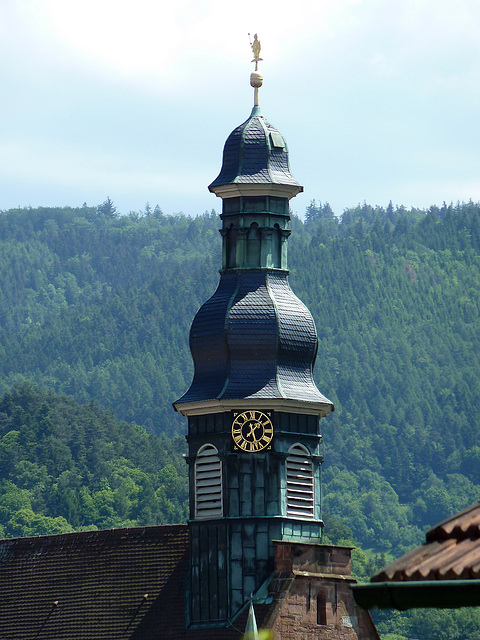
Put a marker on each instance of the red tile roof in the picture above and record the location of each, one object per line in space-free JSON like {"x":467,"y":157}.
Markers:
{"x":451,"y":552}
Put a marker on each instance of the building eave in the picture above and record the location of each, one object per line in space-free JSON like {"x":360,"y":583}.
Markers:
{"x":274,"y":404}
{"x":439,"y":594}
{"x":253,"y":189}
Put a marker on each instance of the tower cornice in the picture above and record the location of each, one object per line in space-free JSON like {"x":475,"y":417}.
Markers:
{"x":320,"y":409}
{"x":235,"y":189}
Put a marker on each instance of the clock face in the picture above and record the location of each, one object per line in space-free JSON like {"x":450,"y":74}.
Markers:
{"x":252,"y":430}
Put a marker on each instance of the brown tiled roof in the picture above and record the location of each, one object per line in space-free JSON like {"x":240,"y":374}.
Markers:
{"x":114,"y":584}
{"x":451,"y":552}
{"x":88,"y":585}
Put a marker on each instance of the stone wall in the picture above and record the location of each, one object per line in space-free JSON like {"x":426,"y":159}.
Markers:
{"x":311,"y":586}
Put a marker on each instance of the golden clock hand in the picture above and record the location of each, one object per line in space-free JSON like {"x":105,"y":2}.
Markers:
{"x":251,"y":432}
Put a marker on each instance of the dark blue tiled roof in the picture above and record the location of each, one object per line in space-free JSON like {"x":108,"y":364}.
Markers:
{"x":253,"y":339}
{"x":255,"y":153}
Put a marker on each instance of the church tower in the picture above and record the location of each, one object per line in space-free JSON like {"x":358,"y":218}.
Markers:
{"x":254,"y":448}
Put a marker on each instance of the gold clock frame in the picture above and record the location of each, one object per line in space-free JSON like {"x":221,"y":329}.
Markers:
{"x":252,"y":430}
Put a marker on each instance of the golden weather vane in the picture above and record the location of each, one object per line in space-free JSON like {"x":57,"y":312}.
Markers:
{"x":256,"y":48}
{"x":256,"y":79}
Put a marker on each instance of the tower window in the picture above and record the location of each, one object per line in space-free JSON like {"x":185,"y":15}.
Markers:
{"x":299,"y":475}
{"x":208,"y":483}
{"x":321,"y":609}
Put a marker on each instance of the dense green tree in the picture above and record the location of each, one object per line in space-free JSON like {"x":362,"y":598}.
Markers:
{"x":107,"y":209}
{"x":75,"y":467}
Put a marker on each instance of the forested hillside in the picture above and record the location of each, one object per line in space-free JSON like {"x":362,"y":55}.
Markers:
{"x":396,"y":299}
{"x":66,"y":467}
{"x":98,"y":306}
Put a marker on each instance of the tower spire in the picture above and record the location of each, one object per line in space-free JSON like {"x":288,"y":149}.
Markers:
{"x":254,"y":444}
{"x":256,"y":78}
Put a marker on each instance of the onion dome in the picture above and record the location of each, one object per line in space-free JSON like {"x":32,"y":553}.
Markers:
{"x":255,"y":159}
{"x":254,"y":339}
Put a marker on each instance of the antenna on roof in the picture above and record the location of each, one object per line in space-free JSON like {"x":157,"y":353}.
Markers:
{"x":55,"y":604}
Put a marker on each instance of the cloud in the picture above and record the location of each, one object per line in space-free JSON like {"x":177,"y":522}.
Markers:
{"x":373,"y":96}
{"x":154,"y":37}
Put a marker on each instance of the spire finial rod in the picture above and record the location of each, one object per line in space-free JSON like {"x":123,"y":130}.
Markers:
{"x":256,"y":79}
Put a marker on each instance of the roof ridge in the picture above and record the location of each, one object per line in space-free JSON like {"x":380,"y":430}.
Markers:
{"x":118,"y":531}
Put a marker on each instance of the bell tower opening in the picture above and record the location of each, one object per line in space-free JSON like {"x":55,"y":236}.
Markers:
{"x":299,"y":482}
{"x":208,"y":483}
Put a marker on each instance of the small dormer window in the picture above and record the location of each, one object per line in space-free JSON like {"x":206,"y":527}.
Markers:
{"x":208,"y":483}
{"x":277,"y":140}
{"x":299,"y":476}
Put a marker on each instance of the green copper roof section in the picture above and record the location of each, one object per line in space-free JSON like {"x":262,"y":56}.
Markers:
{"x":254,"y":240}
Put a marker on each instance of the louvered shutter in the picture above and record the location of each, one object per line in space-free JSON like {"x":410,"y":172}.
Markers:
{"x":208,"y":483}
{"x":299,"y":472}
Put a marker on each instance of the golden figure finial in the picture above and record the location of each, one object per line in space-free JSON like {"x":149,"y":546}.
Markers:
{"x":256,"y":48}
{"x":256,"y":79}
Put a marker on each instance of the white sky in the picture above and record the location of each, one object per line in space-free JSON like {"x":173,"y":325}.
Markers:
{"x":379,"y":100}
